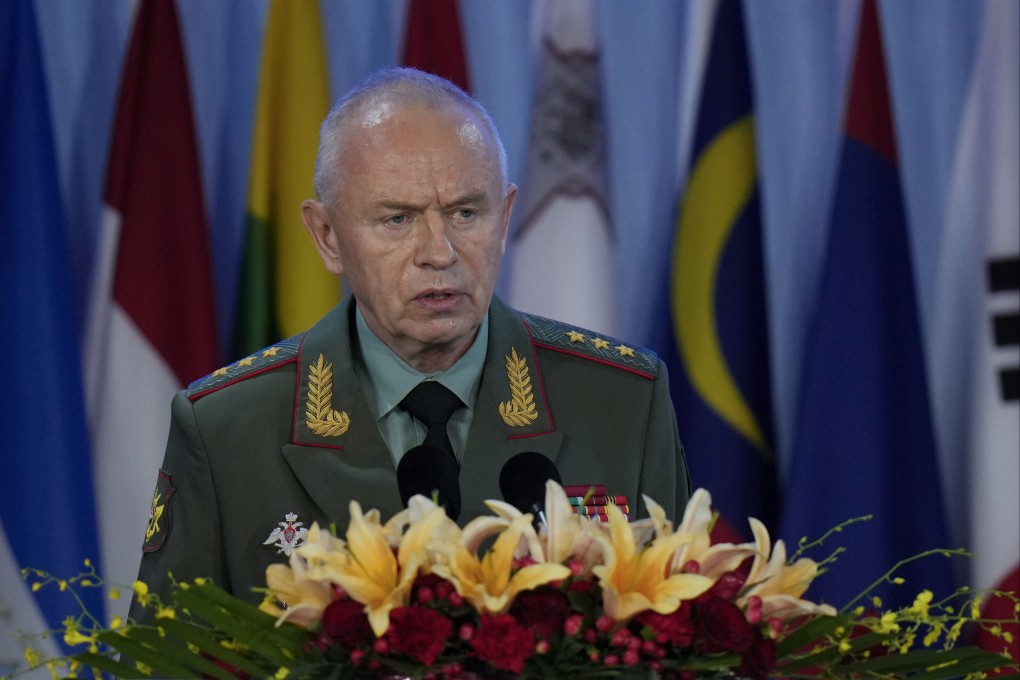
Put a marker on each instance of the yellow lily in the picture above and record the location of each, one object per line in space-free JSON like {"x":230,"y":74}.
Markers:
{"x":713,"y":560}
{"x":778,"y":584}
{"x":369,"y":571}
{"x":565,"y":536}
{"x":301,"y":588}
{"x":490,"y":583}
{"x":635,"y":580}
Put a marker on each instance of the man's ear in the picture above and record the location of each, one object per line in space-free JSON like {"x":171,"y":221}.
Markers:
{"x":323,"y":232}
{"x":508,"y":204}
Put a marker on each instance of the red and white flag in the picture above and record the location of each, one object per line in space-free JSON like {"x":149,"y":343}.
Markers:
{"x":151,"y":320}
{"x":563,"y":263}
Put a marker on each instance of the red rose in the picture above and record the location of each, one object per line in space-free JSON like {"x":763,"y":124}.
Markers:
{"x":544,"y":610}
{"x":677,"y":627}
{"x":418,"y":632}
{"x":728,"y":586}
{"x":503,"y":642}
{"x":723,"y":627}
{"x":344,"y":621}
{"x":759,"y":661}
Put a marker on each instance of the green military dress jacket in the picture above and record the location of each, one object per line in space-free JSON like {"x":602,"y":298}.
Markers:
{"x":262,"y":448}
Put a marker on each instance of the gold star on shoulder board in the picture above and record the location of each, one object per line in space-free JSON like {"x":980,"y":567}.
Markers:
{"x":247,"y":361}
{"x":271,"y":352}
{"x":575,"y":336}
{"x":624,"y":351}
{"x":220,"y":371}
{"x":600,"y":343}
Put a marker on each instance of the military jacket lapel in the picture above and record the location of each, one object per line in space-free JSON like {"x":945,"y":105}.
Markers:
{"x":337,"y":452}
{"x":512,"y":414}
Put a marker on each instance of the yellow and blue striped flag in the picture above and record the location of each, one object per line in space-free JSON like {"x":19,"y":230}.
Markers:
{"x":715,"y":336}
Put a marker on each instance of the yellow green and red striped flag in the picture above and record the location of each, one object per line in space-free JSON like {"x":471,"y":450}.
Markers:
{"x":284,"y":287}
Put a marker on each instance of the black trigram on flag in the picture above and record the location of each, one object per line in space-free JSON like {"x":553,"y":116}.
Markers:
{"x":1004,"y":278}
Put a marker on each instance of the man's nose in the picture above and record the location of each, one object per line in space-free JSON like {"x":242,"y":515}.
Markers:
{"x":434,"y":247}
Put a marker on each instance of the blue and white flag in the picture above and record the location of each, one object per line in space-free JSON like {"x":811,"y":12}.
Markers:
{"x":47,"y":510}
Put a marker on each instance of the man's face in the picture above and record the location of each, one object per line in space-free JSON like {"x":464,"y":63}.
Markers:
{"x":420,"y":228}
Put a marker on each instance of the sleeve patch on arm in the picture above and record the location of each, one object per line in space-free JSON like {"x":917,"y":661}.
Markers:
{"x":159,"y":513}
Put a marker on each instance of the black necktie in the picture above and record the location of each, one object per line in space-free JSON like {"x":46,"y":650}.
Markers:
{"x":433,"y":404}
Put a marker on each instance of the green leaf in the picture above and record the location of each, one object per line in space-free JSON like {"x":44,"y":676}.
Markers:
{"x":157,"y":659}
{"x":258,"y":634}
{"x":976,"y":664}
{"x":109,"y":666}
{"x":813,"y":630}
{"x":177,"y":650}
{"x":917,"y":660}
{"x":201,"y":638}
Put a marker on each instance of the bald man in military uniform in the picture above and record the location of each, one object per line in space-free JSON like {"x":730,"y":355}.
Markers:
{"x":412,"y":208}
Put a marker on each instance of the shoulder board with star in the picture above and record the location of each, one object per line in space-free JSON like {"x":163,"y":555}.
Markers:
{"x":562,"y":337}
{"x":275,"y":355}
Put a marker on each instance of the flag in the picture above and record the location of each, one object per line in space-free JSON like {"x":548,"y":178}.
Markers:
{"x":47,"y":508}
{"x":864,"y":443}
{"x":715,"y":335}
{"x":433,"y":41}
{"x":284,"y":286}
{"x":562,"y":250}
{"x":977,"y":309}
{"x":152,"y":325}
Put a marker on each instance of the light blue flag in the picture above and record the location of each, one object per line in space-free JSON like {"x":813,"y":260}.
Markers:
{"x":46,"y":500}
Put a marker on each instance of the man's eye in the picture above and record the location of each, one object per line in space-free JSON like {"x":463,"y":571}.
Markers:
{"x":465,"y":214}
{"x":397,"y":219}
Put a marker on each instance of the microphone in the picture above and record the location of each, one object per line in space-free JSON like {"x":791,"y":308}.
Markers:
{"x":424,"y":469}
{"x":522,"y":482}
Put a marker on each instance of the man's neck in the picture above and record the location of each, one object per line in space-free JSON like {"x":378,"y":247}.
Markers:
{"x":436,"y":359}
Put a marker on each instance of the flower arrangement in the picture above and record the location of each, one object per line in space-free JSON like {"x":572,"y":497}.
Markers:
{"x":419,"y":597}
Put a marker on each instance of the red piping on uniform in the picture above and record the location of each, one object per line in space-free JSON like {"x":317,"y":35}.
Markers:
{"x":554,"y":348}
{"x":199,"y":395}
{"x":297,"y":402}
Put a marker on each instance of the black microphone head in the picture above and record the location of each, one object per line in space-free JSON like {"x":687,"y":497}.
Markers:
{"x":424,"y":469}
{"x":522,"y":480}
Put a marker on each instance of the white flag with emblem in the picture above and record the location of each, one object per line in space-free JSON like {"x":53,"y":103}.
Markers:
{"x":561,"y":251}
{"x":976,"y":357}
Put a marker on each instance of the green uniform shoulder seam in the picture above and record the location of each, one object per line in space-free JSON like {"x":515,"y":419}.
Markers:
{"x":588,"y":344}
{"x":275,"y":355}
